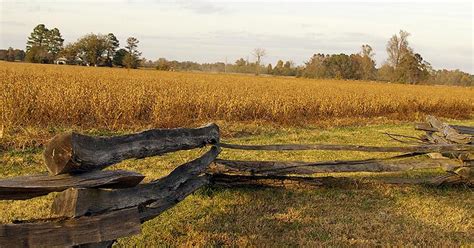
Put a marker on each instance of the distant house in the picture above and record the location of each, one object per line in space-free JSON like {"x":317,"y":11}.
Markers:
{"x":61,"y":61}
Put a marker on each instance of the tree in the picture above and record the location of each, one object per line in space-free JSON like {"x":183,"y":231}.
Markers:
{"x":54,"y":42}
{"x":118,"y":57}
{"x":258,"y":53}
{"x":339,"y":66}
{"x":278,"y":69}
{"x":37,"y":38}
{"x":454,"y":77}
{"x":132,"y":58}
{"x":367,"y":68}
{"x":269,"y":69}
{"x":385,"y":73}
{"x":38,"y":54}
{"x":163,"y":64}
{"x":70,"y":53}
{"x":397,"y":48}
{"x":112,"y":45}
{"x":412,"y":69}
{"x":92,"y":48}
{"x":43,"y":45}
{"x":19,"y":55}
{"x":315,"y":68}
{"x":3,"y":54}
{"x":10,"y":54}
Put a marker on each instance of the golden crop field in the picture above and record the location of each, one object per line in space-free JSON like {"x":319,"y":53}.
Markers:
{"x":110,"y":98}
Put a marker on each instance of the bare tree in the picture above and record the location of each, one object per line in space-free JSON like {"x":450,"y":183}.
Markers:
{"x":397,"y":47}
{"x":258,"y":53}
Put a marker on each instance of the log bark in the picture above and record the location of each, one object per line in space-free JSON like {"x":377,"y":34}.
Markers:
{"x":77,"y":202}
{"x":154,"y":209}
{"x":73,"y":152}
{"x":274,"y":168}
{"x":71,"y":232}
{"x":226,"y":180}
{"x":293,"y":147}
{"x":26,"y":187}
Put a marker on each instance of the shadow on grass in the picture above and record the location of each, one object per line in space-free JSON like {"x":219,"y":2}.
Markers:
{"x":381,"y":215}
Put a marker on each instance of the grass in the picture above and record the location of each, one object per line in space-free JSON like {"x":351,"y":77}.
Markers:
{"x":378,"y":215}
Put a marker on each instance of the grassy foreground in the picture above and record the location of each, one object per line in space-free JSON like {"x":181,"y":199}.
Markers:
{"x":366,"y":216}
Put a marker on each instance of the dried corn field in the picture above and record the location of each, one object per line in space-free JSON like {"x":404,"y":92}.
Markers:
{"x":49,"y":95}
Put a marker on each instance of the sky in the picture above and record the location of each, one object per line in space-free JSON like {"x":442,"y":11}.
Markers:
{"x":211,"y":31}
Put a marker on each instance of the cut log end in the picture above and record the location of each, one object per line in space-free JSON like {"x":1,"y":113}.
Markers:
{"x":58,"y":154}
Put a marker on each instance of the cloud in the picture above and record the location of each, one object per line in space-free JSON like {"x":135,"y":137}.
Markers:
{"x":202,"y":7}
{"x":12,"y":23}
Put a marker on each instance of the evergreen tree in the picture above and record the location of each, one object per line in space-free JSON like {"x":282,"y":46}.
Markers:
{"x":132,"y":58}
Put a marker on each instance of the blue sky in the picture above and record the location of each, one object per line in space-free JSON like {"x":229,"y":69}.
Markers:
{"x":209,"y":31}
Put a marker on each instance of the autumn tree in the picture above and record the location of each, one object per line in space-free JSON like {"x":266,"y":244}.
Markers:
{"x":314,"y":68}
{"x":367,"y":68}
{"x":406,"y":65}
{"x":91,"y":49}
{"x":397,"y":48}
{"x":258,"y":53}
{"x":412,"y":69}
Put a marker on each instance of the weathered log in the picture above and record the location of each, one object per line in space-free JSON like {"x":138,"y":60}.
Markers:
{"x":448,"y":132}
{"x":26,"y":187}
{"x":463,"y":129}
{"x":292,"y":147}
{"x":73,"y":152}
{"x":226,"y":180}
{"x":154,"y":209}
{"x":77,"y":202}
{"x":296,"y":167}
{"x":460,"y":129}
{"x":103,"y":244}
{"x":70,"y":232}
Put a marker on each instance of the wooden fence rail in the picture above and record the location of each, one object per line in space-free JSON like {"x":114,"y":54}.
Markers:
{"x":96,"y":207}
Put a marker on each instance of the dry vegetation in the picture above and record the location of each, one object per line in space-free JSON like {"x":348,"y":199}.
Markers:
{"x":113,"y":99}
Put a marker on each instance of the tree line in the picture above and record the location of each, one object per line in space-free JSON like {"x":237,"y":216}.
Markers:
{"x":47,"y":46}
{"x":403,"y":64}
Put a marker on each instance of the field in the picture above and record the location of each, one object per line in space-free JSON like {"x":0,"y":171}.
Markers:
{"x":41,"y":100}
{"x":46,"y":96}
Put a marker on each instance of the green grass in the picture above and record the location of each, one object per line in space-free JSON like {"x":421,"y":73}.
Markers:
{"x":213,"y":216}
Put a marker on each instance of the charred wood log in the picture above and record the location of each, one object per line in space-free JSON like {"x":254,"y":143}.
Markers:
{"x":273,"y":168}
{"x":73,"y":152}
{"x":77,"y":202}
{"x":293,"y":147}
{"x":71,"y":232}
{"x":26,"y":187}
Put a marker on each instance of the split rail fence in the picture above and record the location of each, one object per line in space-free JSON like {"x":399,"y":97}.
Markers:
{"x":96,"y":207}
